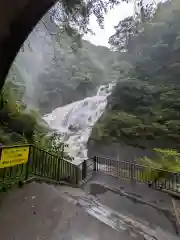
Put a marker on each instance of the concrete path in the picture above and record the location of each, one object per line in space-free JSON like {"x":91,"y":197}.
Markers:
{"x":39,"y":212}
{"x":137,"y":228}
{"x":139,"y":190}
{"x":158,"y":211}
{"x":176,"y":206}
{"x":46,"y":212}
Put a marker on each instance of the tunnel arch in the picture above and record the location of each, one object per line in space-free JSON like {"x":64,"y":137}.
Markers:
{"x":17,"y":20}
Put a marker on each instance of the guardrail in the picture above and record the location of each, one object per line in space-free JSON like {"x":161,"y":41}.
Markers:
{"x":155,"y":178}
{"x":38,"y":163}
{"x":24,"y":162}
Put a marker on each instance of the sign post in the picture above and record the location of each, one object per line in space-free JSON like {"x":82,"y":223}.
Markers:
{"x":11,"y":156}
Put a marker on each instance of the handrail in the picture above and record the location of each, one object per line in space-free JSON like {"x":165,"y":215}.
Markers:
{"x":158,"y":178}
{"x":138,"y":165}
{"x":40,"y":164}
{"x":43,"y":164}
{"x":14,"y":146}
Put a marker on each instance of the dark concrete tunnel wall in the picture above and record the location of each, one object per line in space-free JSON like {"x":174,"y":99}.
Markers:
{"x":17,"y":20}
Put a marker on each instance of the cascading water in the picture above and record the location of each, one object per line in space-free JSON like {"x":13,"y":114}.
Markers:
{"x":75,"y":121}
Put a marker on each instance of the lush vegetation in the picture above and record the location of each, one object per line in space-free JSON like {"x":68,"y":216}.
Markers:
{"x":144,"y":108}
{"x":74,"y":75}
{"x":74,"y":16}
{"x":19,"y":125}
{"x":166,"y":159}
{"x":64,"y":70}
{"x":76,"y":70}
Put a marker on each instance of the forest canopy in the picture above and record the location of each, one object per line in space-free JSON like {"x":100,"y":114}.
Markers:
{"x":145,"y":107}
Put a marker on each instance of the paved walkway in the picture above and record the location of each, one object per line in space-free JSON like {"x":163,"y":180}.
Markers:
{"x":47,"y":212}
{"x":111,"y":213}
{"x":39,"y":212}
{"x":139,"y":190}
{"x":158,"y":211}
{"x":176,"y":205}
{"x":178,"y":210}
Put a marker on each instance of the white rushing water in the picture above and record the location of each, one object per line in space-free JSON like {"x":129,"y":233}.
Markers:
{"x":76,"y":121}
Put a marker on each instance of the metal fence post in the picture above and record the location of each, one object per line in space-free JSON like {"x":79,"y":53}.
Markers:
{"x":77,"y":175}
{"x":95,"y":164}
{"x":28,"y":164}
{"x":131,"y":171}
{"x":58,"y":169}
{"x":84,"y":170}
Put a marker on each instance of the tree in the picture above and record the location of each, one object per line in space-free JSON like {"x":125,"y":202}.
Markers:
{"x":53,"y":144}
{"x":123,"y":33}
{"x":17,"y":125}
{"x":131,"y":26}
{"x":150,"y":89}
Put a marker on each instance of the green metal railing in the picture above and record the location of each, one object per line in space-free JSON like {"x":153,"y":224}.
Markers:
{"x":155,"y":178}
{"x":11,"y":175}
{"x":46,"y":166}
{"x":40,"y":164}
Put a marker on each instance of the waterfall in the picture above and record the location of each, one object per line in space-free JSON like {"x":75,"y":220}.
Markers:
{"x":76,"y":120}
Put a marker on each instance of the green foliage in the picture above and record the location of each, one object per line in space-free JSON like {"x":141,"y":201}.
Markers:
{"x":167,"y":160}
{"x":149,"y":92}
{"x":21,"y":125}
{"x":16,"y":123}
{"x":74,"y":16}
{"x":53,"y":144}
{"x":73,"y":75}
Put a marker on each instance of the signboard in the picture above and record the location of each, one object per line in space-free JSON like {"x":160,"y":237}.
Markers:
{"x":13,"y":156}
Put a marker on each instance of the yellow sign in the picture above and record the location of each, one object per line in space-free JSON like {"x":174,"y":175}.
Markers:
{"x":13,"y":156}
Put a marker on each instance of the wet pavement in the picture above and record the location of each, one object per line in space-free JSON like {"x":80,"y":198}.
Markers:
{"x":39,"y":212}
{"x":139,"y":211}
{"x":159,"y":208}
{"x":139,"y":190}
{"x":176,"y":206}
{"x":47,"y":212}
{"x":124,"y":222}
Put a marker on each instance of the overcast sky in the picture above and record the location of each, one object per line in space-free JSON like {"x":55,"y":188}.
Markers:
{"x":111,"y":19}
